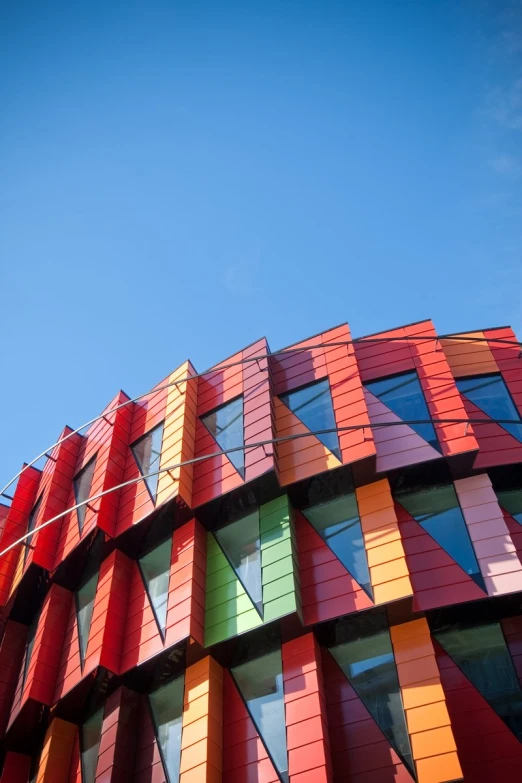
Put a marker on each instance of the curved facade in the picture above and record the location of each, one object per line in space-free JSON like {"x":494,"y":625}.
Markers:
{"x":300,"y":566}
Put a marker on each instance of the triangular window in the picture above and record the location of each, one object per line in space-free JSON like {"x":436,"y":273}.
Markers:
{"x":155,"y":572}
{"x":167,"y":712}
{"x":90,"y":736}
{"x":511,"y":501}
{"x":313,"y":406}
{"x":490,"y":394}
{"x":82,"y":489}
{"x":370,"y":668}
{"x":225,"y":424}
{"x":403,"y":395}
{"x":240,"y":542}
{"x":147,"y":453}
{"x":84,"y":598}
{"x":31,"y":526}
{"x":482,"y":655}
{"x":437,"y":510}
{"x":339,"y":525}
{"x":260,"y":683}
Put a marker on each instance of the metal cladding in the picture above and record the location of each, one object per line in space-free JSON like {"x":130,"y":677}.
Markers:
{"x":281,"y":569}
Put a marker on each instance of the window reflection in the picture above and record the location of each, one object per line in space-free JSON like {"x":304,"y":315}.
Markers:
{"x":155,"y":570}
{"x":90,"y":745}
{"x":147,"y":453}
{"x":226,"y":426}
{"x":240,"y":542}
{"x":313,"y":406}
{"x":167,"y":710}
{"x":490,"y":394}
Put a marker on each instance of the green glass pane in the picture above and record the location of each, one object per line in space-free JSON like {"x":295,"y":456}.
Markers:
{"x":90,"y":745}
{"x":147,"y":453}
{"x":403,"y":395}
{"x":240,"y":542}
{"x":225,"y":424}
{"x":490,"y":394}
{"x":339,"y":525}
{"x":85,"y":596}
{"x":511,"y":501}
{"x":167,"y":710}
{"x":482,"y":655}
{"x":155,"y":571}
{"x":370,"y":667}
{"x":313,"y":406}
{"x":261,"y":684}
{"x":437,"y":510}
{"x":82,"y":489}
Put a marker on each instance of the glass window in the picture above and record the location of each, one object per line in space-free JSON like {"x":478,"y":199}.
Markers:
{"x":167,"y":711}
{"x":481,"y":653}
{"x":437,"y":510}
{"x":338,"y":524}
{"x":403,"y":395}
{"x":225,"y":424}
{"x":490,"y":394}
{"x":313,"y":405}
{"x":260,"y":682}
{"x":29,"y":647}
{"x":241,"y":544}
{"x":31,"y":526}
{"x":90,"y":745}
{"x":82,"y":489}
{"x":155,"y":571}
{"x":147,"y":453}
{"x":370,"y":667}
{"x":84,"y":605}
{"x":511,"y":501}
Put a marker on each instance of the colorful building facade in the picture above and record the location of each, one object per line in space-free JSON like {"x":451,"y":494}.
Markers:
{"x":301,"y":566}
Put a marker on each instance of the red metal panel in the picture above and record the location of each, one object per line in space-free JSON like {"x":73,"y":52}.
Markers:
{"x":135,"y":501}
{"x":11,"y":656}
{"x":119,"y":737}
{"x":496,"y":445}
{"x":327,"y":588}
{"x":360,"y":751}
{"x":148,"y":767}
{"x":515,"y":531}
{"x":16,"y":768}
{"x":258,"y":411}
{"x":15,"y":525}
{"x":488,"y":751}
{"x":308,"y":743}
{"x":245,"y":759}
{"x":436,"y":578}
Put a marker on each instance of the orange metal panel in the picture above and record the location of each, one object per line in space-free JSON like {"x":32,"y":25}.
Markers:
{"x":55,"y":759}
{"x":202,"y":733}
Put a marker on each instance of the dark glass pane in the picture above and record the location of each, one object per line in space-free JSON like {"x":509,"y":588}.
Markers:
{"x":370,"y":667}
{"x":403,"y":395}
{"x":241,"y":544}
{"x":313,"y":405}
{"x":490,"y":394}
{"x":82,"y":489}
{"x":511,"y":501}
{"x":90,"y":746}
{"x":84,"y":605}
{"x":155,"y":570}
{"x":338,"y":524}
{"x":31,"y":525}
{"x":147,"y":453}
{"x":225,"y":424}
{"x":261,"y":684}
{"x":167,"y":710}
{"x":438,"y":511}
{"x":29,"y":647}
{"x":482,"y":655}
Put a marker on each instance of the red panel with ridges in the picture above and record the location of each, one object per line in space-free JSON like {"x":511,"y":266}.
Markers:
{"x":119,"y":737}
{"x":512,"y":627}
{"x":15,"y":525}
{"x":44,"y":664}
{"x":305,"y":707}
{"x":148,"y":767}
{"x":257,"y":411}
{"x":245,"y":759}
{"x":496,"y":445}
{"x":488,"y":751}
{"x":75,"y":772}
{"x":107,"y":442}
{"x":327,"y":588}
{"x":360,"y":751}
{"x":135,"y":500}
{"x":70,"y":670}
{"x":12,"y":649}
{"x":436,"y":578}
{"x":508,"y":359}
{"x":186,"y":601}
{"x":16,"y":768}
{"x":515,"y":531}
{"x":55,"y":488}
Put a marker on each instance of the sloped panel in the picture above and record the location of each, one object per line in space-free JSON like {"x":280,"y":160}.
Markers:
{"x":508,"y":359}
{"x":57,"y":751}
{"x":16,"y":768}
{"x":12,"y":649}
{"x":202,"y":735}
{"x":470,"y":356}
{"x":496,"y":445}
{"x":258,"y":410}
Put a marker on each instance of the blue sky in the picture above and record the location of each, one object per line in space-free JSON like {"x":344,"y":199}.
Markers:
{"x":181,"y":178}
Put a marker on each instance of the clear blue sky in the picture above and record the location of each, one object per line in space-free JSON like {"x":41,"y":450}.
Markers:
{"x":180,"y":178}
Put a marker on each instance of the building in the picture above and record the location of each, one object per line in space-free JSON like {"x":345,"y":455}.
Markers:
{"x":299,"y":566}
